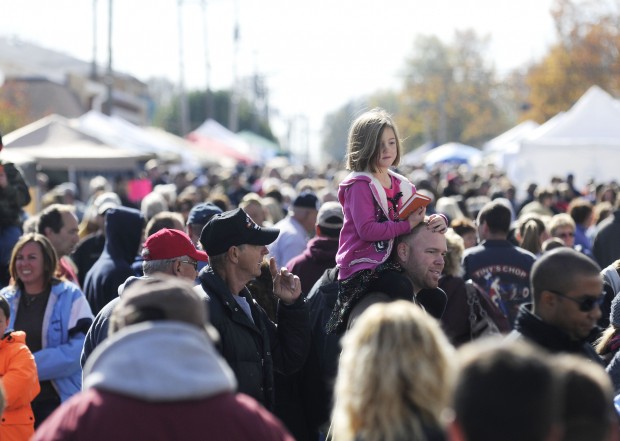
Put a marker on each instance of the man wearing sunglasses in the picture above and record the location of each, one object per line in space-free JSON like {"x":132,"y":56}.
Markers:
{"x":567,"y":294}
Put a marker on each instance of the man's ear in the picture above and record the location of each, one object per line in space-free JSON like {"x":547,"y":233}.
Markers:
{"x":233,"y":254}
{"x":545,"y":304}
{"x":402,"y":250}
{"x":547,"y":298}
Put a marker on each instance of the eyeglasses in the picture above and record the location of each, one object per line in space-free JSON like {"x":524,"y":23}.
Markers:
{"x":586,"y":304}
{"x":190,"y":262}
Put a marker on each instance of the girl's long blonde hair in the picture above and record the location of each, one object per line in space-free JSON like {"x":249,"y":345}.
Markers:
{"x":394,"y":377}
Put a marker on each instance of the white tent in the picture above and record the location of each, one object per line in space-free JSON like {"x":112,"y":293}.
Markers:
{"x":216,"y":138}
{"x":584,"y":141}
{"x":503,"y":149}
{"x":55,"y":145}
{"x":117,"y":131}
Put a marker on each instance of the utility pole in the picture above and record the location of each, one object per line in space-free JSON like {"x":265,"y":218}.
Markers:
{"x":233,"y":114}
{"x":109,"y":76}
{"x":93,"y":69}
{"x":205,"y":35}
{"x":183,"y":104}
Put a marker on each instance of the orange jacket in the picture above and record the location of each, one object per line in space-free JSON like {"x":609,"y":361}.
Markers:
{"x":18,"y":373}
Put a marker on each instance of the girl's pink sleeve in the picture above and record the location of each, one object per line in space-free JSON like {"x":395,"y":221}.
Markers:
{"x":360,"y":205}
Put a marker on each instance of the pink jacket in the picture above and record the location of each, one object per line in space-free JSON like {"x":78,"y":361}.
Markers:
{"x":368,"y":232}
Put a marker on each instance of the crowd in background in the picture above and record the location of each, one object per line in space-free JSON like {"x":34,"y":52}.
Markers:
{"x":102,"y":235}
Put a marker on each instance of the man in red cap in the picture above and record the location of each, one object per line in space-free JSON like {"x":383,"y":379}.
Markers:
{"x":166,"y":251}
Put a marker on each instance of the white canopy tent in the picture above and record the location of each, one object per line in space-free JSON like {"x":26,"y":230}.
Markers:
{"x":117,"y":131}
{"x":584,"y":141}
{"x":56,"y":145}
{"x":503,"y":149}
{"x":216,"y":138}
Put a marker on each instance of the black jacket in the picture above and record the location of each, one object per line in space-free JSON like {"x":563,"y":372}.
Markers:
{"x":532,"y":328}
{"x":255,"y":350}
{"x":123,"y":228}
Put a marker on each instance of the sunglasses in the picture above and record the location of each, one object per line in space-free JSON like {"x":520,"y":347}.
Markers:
{"x":190,"y":262}
{"x":586,"y":304}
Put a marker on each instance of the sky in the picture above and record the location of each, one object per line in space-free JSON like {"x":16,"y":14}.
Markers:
{"x":315,"y":56}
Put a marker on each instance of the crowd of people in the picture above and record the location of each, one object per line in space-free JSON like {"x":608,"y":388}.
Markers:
{"x":280,"y":302}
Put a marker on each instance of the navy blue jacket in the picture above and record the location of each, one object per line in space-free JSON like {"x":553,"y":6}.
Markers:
{"x":503,"y":271}
{"x":123,"y":227}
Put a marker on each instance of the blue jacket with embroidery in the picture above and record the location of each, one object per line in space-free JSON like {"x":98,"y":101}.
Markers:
{"x":503,"y":271}
{"x":65,"y":323}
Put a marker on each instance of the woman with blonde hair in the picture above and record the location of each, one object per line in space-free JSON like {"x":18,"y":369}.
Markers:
{"x":395,"y":376}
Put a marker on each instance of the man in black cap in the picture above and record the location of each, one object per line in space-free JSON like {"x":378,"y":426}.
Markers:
{"x":250,"y":342}
{"x":295,"y":228}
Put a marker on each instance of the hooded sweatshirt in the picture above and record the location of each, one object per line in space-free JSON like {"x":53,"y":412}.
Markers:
{"x":160,"y":381}
{"x":368,"y":231}
{"x":123,"y":228}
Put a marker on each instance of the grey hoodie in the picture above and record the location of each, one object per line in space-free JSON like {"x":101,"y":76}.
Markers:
{"x":159,"y":361}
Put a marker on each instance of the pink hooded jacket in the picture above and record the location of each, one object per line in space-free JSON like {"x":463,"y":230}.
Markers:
{"x":368,"y":232}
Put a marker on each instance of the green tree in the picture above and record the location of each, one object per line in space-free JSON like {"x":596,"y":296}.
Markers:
{"x":218,"y":104}
{"x":586,"y":54}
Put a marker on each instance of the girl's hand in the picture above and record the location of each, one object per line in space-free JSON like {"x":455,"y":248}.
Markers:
{"x":416,"y":217}
{"x":437,"y":223}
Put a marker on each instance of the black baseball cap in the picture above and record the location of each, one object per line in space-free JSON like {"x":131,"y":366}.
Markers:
{"x":233,"y":228}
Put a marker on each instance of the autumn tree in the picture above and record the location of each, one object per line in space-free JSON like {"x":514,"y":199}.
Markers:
{"x":449,"y":92}
{"x":13,"y":107}
{"x":585,"y":54}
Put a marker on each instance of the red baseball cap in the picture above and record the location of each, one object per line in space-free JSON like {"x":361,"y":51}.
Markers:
{"x":168,"y":244}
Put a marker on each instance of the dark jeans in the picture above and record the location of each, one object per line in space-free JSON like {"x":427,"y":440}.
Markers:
{"x":43,"y":408}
